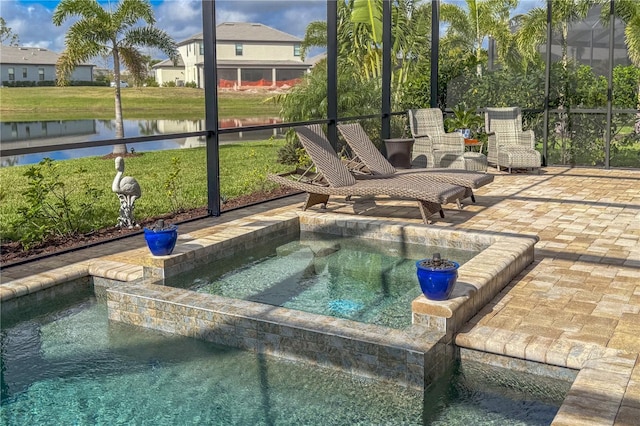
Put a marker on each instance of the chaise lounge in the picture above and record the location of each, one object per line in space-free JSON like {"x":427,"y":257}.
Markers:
{"x":377,"y":165}
{"x":336,"y":179}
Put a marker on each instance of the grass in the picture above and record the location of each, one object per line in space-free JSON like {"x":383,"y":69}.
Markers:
{"x":75,"y":103}
{"x":243,"y":169}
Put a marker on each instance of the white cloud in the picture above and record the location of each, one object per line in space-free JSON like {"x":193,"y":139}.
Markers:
{"x":32,"y":23}
{"x":289,"y":16}
{"x":179,"y":18}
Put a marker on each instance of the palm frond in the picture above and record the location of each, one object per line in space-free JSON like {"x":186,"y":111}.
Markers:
{"x":133,"y":59}
{"x":150,"y":36}
{"x":81,"y":8}
{"x":314,"y":36}
{"x":129,"y":12}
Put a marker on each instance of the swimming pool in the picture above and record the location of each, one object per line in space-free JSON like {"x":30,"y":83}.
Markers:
{"x":69,"y":365}
{"x":405,"y":359}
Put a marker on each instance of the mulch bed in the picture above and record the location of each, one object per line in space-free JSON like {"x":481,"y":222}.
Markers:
{"x":12,"y":252}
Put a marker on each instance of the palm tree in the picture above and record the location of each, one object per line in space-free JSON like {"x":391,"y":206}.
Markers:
{"x":99,"y":31}
{"x":469,"y":29}
{"x":532,"y":31}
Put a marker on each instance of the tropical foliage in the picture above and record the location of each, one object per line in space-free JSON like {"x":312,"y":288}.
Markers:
{"x":360,"y":38}
{"x":532,"y":30}
{"x":470,"y":27}
{"x":465,"y":75}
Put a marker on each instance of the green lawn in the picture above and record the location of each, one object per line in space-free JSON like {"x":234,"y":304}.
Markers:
{"x":75,"y":103}
{"x":243,"y":169}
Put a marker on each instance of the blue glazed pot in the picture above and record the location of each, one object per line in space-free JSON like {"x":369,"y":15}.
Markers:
{"x":437,"y":283}
{"x":161,"y":242}
{"x":466,"y":133}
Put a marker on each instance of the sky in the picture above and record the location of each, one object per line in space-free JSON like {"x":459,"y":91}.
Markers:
{"x":31,"y":19}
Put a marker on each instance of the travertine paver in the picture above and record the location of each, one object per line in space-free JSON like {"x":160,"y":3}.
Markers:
{"x":577,"y":305}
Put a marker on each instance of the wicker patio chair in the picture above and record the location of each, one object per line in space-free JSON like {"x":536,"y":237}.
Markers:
{"x":338,"y":180}
{"x":433,"y":147}
{"x":377,"y":165}
{"x":509,"y":146}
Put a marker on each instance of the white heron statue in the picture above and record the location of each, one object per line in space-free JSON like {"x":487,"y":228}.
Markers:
{"x":128,"y":191}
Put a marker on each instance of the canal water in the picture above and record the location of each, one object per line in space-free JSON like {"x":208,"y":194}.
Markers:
{"x":14,"y":135}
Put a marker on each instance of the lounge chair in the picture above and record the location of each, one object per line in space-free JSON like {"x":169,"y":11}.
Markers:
{"x":434,"y":147}
{"x":338,"y":180}
{"x":509,"y":146}
{"x":377,"y":165}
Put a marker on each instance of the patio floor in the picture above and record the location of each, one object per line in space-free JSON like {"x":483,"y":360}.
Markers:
{"x":577,"y":305}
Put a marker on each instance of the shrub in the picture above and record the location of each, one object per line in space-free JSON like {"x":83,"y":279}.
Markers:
{"x":151,"y":82}
{"x":173,"y":186}
{"x":50,"y":209}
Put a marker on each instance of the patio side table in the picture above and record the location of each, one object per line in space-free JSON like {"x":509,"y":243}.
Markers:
{"x":399,"y":152}
{"x":473,"y":143}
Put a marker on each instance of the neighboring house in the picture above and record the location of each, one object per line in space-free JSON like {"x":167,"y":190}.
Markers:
{"x":166,"y":71}
{"x":20,"y":65}
{"x":102,"y":73}
{"x":248,"y":54}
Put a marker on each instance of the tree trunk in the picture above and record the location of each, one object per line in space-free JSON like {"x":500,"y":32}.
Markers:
{"x":638,"y":114}
{"x":120,"y":148}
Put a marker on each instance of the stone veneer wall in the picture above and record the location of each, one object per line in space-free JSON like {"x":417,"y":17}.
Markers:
{"x":408,"y":357}
{"x":67,"y":292}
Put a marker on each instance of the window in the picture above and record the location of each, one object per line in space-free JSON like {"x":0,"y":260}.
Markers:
{"x":12,"y":75}
{"x":40,"y":74}
{"x":24,"y":72}
{"x":201,"y":48}
{"x":296,"y":49}
{"x":238,"y":49}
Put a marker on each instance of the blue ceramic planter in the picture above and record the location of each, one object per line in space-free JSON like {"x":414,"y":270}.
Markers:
{"x":161,"y":242}
{"x":466,"y":133}
{"x":437,"y":283}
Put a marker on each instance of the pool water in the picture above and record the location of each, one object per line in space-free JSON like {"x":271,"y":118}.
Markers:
{"x":69,"y":365}
{"x":370,"y":281}
{"x":474,"y":393}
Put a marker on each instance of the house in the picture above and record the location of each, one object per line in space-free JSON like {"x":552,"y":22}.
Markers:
{"x":168,"y":71}
{"x":30,"y":66}
{"x":248,"y":55}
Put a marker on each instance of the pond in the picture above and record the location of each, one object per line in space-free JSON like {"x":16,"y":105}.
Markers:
{"x":14,"y":135}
